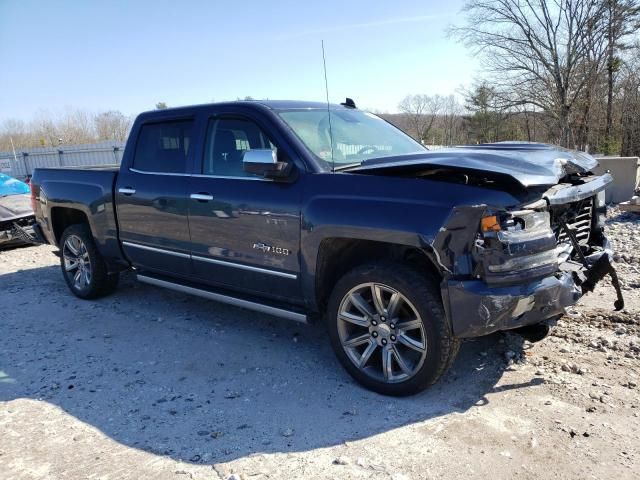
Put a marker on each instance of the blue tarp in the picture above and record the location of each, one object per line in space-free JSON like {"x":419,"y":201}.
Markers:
{"x":12,"y":186}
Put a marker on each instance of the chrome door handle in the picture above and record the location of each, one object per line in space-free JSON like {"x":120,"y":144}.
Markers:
{"x":127,"y":191}
{"x":201,"y":197}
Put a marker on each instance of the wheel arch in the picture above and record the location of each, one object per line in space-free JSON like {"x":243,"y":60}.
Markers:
{"x":337,"y":256}
{"x":63,"y":217}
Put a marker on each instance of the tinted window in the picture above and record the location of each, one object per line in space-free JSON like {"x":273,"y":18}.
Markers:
{"x":227,"y":140}
{"x":163,"y":147}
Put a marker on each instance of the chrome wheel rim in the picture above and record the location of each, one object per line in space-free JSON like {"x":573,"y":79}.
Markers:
{"x":382,"y":333}
{"x":77,"y":265}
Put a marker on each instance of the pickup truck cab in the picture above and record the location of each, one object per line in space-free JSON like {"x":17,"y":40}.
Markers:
{"x":303,"y":210}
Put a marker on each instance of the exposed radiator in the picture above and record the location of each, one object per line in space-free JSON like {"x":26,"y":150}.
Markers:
{"x":578,"y":216}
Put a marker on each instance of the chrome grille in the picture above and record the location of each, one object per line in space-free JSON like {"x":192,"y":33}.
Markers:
{"x":578,"y":217}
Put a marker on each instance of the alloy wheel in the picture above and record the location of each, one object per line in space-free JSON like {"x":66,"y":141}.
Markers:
{"x":77,"y":264}
{"x":382,"y":332}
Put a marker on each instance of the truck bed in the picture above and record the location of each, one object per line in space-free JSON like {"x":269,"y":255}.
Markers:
{"x":84,"y":190}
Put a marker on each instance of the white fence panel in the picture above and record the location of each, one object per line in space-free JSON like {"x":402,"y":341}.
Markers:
{"x":24,"y":161}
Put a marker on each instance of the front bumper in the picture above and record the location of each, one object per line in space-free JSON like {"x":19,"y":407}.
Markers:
{"x":477,"y":309}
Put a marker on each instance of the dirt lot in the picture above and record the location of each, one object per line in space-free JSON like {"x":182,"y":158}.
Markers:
{"x":153,"y":384}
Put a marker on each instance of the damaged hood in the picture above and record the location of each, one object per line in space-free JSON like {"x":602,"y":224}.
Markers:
{"x":13,"y":207}
{"x":529,"y":164}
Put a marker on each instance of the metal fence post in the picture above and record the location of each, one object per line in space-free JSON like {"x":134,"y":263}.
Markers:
{"x":26,"y":165}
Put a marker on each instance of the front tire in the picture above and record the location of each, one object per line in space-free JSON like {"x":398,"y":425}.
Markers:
{"x":388,"y":328}
{"x":83,"y":267}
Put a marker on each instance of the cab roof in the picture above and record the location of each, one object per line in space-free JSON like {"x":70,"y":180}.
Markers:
{"x":275,"y":105}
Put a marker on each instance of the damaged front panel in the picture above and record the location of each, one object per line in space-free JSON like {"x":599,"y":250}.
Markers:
{"x":511,"y":268}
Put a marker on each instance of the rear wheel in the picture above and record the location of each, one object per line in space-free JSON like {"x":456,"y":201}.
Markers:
{"x":83,"y":267}
{"x":388,"y":329}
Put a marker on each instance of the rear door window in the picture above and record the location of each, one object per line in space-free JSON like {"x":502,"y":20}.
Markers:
{"x":164,"y":147}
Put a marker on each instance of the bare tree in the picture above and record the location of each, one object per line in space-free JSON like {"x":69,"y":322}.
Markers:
{"x":45,"y":130}
{"x":76,"y":126}
{"x":72,"y":126}
{"x":13,"y":132}
{"x":630,"y":106}
{"x":421,"y":112}
{"x":622,"y":19}
{"x":592,"y":67}
{"x":451,"y":120}
{"x":112,"y":125}
{"x":536,"y":51}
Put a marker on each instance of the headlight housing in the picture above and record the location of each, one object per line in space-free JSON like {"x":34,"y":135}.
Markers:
{"x":517,"y":245}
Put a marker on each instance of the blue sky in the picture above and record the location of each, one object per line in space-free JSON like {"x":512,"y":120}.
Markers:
{"x":128,"y":55}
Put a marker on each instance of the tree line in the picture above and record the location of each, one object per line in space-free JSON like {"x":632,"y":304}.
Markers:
{"x":69,"y":128}
{"x":565,"y":72}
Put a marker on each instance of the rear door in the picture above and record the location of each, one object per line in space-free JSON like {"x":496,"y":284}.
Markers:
{"x":152,"y":201}
{"x":245,"y":229}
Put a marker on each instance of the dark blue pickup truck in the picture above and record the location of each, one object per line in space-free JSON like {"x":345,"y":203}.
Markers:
{"x":304,"y":210}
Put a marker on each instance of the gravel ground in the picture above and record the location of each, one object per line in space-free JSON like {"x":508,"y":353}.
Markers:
{"x":153,"y":384}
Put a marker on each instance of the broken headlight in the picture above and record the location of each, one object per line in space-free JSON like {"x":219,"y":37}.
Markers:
{"x":517,"y":241}
{"x":526,"y":262}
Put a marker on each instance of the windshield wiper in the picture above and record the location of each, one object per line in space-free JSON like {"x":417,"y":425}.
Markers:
{"x":346,"y":167}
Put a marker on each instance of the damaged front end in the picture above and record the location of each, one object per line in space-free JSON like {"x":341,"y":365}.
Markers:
{"x":523,"y":266}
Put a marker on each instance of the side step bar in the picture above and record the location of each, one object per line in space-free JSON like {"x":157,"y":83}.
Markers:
{"x":218,"y":297}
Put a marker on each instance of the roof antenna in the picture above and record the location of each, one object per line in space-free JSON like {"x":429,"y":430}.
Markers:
{"x":326,"y":88}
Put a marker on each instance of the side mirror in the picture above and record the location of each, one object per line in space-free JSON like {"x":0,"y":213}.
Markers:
{"x":264,"y":162}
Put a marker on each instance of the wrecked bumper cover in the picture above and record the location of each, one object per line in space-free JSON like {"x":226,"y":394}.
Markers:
{"x":477,"y":309}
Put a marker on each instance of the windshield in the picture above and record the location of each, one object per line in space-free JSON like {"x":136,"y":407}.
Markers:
{"x":357,"y":136}
{"x":11,"y":186}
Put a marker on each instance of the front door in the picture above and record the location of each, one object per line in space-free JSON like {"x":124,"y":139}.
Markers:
{"x":152,"y":201}
{"x":245,"y":229}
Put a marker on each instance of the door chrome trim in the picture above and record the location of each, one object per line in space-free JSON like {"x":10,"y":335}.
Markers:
{"x":276,"y":273}
{"x":168,"y":174}
{"x":201,"y":196}
{"x":253,"y":179}
{"x":157,"y":250}
{"x":237,"y":302}
{"x":199,"y":175}
{"x":290,"y":276}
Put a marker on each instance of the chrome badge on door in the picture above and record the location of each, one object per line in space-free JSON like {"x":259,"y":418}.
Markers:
{"x":271,"y":249}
